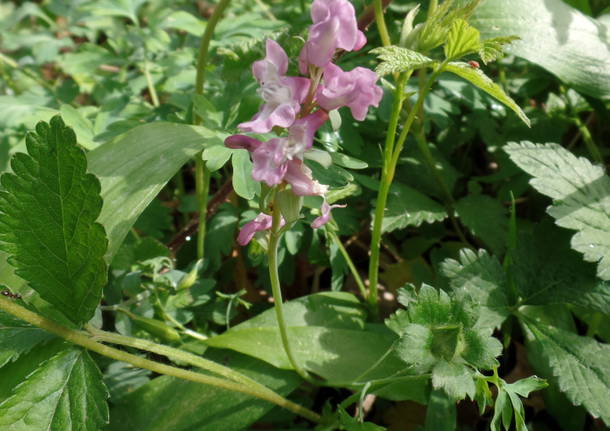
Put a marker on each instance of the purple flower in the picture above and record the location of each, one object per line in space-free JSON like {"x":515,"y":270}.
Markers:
{"x":261,"y":223}
{"x":299,"y":177}
{"x":334,"y":27}
{"x":282,"y":95}
{"x":272,"y":159}
{"x":325,"y":216}
{"x":355,"y":89}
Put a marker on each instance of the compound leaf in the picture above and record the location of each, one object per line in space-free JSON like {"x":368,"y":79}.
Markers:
{"x":65,"y":393}
{"x":580,"y":193}
{"x":48,"y":208}
{"x":478,"y":78}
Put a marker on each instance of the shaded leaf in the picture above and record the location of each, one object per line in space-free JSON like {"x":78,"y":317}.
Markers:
{"x":395,"y":59}
{"x":580,"y":193}
{"x":478,"y":78}
{"x":65,"y":393}
{"x":408,"y":207}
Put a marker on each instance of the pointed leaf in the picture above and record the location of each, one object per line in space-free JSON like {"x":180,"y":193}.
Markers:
{"x":462,"y":39}
{"x":478,"y":78}
{"x":580,"y":364}
{"x":580,"y":193}
{"x":65,"y":393}
{"x":49,"y":205}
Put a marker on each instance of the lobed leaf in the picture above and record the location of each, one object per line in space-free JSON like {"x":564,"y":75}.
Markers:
{"x":580,"y":193}
{"x":478,"y":78}
{"x":64,"y":393}
{"x":49,"y":206}
{"x":493,"y":49}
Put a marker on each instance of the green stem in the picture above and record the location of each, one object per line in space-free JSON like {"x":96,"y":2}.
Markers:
{"x":173,"y":354}
{"x":274,"y":239}
{"x":202,"y":173}
{"x":12,"y":63}
{"x":383,"y":191}
{"x":381,"y":27}
{"x":151,"y":85}
{"x":588,"y":139}
{"x":79,"y":338}
{"x":392,"y":152}
{"x":333,"y":235}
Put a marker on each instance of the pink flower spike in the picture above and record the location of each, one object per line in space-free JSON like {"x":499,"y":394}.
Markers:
{"x":282,"y":95}
{"x":260,"y":223}
{"x":244,"y":142}
{"x":299,"y":177}
{"x":355,"y":89}
{"x":334,"y":27}
{"x":325,"y":216}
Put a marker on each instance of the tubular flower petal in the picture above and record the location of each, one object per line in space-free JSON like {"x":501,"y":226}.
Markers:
{"x":355,"y":89}
{"x":299,"y":177}
{"x":242,"y":142}
{"x":325,"y":216}
{"x":334,"y":27}
{"x":301,"y":133}
{"x":282,"y":95}
{"x":262,"y":222}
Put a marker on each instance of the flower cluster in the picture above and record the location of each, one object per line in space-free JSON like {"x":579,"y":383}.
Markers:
{"x":300,"y":105}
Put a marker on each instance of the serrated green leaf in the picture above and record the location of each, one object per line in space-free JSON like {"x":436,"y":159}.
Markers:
{"x":580,"y":364}
{"x":65,"y":393}
{"x":408,"y":207}
{"x":482,"y":277}
{"x":580,"y":193}
{"x":18,"y":337}
{"x":456,"y":380}
{"x":576,"y":50}
{"x":478,"y":78}
{"x":243,"y":183}
{"x":462,"y":39}
{"x":395,"y":59}
{"x":493,"y":49}
{"x":548,"y":272}
{"x":49,"y":206}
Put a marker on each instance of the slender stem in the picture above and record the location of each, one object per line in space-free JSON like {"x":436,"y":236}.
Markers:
{"x":383,"y":191}
{"x":151,"y":85}
{"x":588,"y":139}
{"x":79,"y":338}
{"x":381,"y":27}
{"x":202,"y":174}
{"x":266,"y":10}
{"x":12,"y":63}
{"x":173,"y":354}
{"x":274,"y":238}
{"x":392,"y":152}
{"x":333,"y":235}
